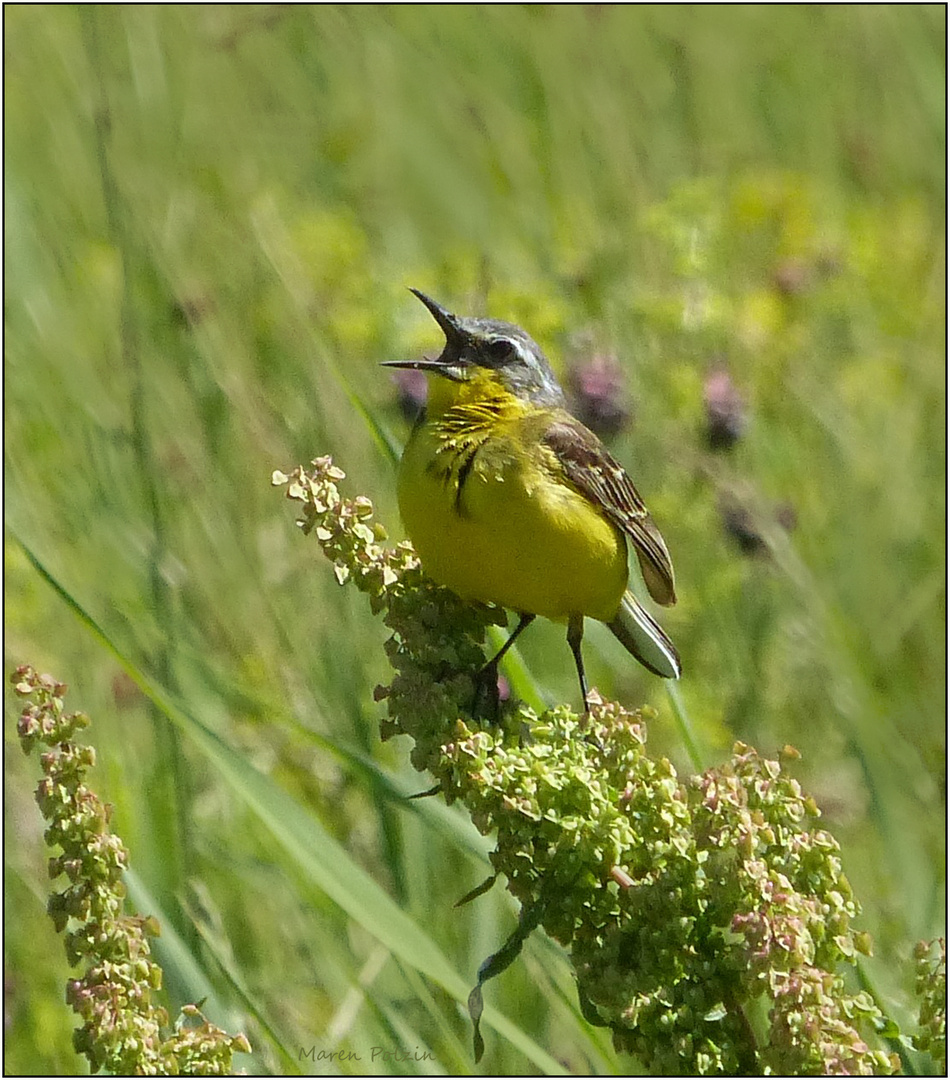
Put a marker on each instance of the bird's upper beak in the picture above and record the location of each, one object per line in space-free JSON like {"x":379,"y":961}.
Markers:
{"x":449,"y":323}
{"x":449,"y":363}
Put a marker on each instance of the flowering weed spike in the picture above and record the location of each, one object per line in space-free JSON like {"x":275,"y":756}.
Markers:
{"x":689,"y":906}
{"x":931,"y":987}
{"x":123,"y":1032}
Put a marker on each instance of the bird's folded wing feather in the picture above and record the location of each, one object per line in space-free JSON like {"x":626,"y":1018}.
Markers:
{"x":597,"y":474}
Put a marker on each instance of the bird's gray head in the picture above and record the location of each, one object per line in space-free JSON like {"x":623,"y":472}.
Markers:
{"x":472,"y":345}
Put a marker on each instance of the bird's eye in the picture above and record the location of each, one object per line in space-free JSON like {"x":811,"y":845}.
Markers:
{"x":499,"y":349}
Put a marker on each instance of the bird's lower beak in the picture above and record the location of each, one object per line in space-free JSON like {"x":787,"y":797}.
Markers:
{"x":448,"y":369}
{"x":417,"y":365}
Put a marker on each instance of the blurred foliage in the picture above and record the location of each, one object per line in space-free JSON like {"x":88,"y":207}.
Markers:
{"x":212,"y":214}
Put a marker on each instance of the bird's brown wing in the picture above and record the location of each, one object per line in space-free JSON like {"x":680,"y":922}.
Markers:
{"x":598,"y":475}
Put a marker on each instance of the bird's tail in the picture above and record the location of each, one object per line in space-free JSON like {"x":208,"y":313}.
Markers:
{"x":643,"y":638}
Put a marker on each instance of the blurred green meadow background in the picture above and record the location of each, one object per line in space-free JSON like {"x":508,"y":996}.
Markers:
{"x":726,"y":225}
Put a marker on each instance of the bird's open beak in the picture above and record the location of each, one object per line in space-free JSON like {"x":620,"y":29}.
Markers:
{"x":449,"y":363}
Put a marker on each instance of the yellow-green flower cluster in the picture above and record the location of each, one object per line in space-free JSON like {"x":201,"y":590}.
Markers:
{"x":690,"y":908}
{"x":775,"y":879}
{"x":437,"y":641}
{"x":931,"y":987}
{"x":123,"y":1031}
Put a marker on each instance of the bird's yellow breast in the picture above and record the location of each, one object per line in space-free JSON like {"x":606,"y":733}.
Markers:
{"x":492,"y":518}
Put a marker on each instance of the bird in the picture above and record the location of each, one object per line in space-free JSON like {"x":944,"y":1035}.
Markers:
{"x":510,"y":500}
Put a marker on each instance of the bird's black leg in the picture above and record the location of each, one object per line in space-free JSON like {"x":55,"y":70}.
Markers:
{"x":486,"y":682}
{"x":575,"y":631}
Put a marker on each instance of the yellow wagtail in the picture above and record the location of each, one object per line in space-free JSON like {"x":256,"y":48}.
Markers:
{"x":509,"y":500}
